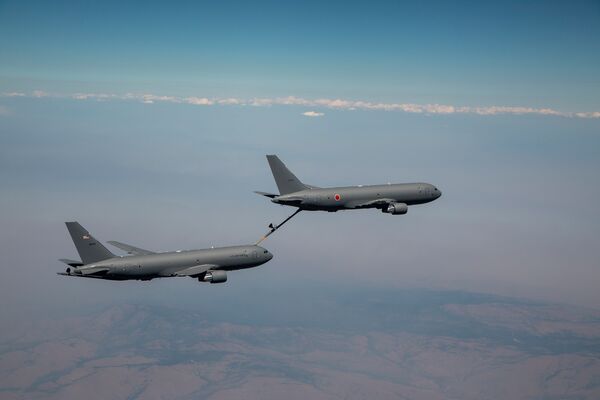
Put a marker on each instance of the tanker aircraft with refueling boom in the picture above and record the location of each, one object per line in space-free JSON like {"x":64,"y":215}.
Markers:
{"x":390,"y":198}
{"x":207,"y":265}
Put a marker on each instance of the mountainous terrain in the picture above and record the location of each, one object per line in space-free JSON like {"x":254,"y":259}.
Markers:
{"x":408,"y":344}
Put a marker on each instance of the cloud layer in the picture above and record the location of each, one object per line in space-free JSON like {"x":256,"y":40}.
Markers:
{"x":336,"y":104}
{"x":313,"y":114}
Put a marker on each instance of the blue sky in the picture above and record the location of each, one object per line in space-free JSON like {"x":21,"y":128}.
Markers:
{"x":149,"y":124}
{"x":537,"y":54}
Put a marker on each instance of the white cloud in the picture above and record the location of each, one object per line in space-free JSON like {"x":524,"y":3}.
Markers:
{"x":593,"y":114}
{"x":152,"y":97}
{"x":336,"y":104}
{"x":293,"y":101}
{"x":229,"y":101}
{"x":93,"y":96}
{"x":199,"y":101}
{"x":39,"y":93}
{"x":313,"y":114}
{"x":13,"y":94}
{"x":82,"y":96}
{"x":258,"y":102}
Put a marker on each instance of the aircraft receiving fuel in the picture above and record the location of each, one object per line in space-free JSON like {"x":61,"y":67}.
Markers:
{"x":207,"y":265}
{"x":391,"y":198}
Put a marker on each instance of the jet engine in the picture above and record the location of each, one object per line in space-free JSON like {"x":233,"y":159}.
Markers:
{"x":396,"y":209}
{"x":215,"y":277}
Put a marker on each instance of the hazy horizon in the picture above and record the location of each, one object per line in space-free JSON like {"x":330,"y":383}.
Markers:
{"x":167,"y":176}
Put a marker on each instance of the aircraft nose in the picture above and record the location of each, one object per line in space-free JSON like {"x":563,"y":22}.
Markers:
{"x":437,"y":192}
{"x":266,"y":254}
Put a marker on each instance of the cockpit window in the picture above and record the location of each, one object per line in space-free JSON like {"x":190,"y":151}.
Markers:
{"x":265,"y":252}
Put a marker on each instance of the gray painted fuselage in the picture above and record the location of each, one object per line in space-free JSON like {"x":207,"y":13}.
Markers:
{"x":392,"y":199}
{"x":193,"y":263}
{"x":358,"y":197}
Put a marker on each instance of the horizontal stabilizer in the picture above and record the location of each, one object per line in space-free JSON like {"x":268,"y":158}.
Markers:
{"x":270,"y":195}
{"x":130,"y":249}
{"x":71,"y":263}
{"x":98,"y":272}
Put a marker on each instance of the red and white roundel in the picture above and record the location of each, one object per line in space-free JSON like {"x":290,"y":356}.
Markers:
{"x":337,"y":197}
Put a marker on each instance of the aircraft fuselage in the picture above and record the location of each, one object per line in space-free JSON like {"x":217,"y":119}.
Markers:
{"x":356,"y":197}
{"x":161,"y":265}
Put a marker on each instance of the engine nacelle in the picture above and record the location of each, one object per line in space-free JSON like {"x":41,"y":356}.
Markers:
{"x":215,"y":277}
{"x":397,"y":209}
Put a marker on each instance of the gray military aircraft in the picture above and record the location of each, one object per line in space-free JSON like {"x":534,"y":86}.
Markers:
{"x":391,"y":198}
{"x":207,"y":265}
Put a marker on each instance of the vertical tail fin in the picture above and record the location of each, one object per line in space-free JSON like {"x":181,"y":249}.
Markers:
{"x":90,"y":250}
{"x":284,"y":178}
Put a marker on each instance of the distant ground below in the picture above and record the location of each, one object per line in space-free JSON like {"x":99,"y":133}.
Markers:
{"x":406,"y":344}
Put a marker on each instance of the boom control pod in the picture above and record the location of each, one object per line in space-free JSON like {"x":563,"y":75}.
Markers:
{"x":273,"y":228}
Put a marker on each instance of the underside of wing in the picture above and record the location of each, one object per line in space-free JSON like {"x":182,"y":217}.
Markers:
{"x":196,"y":270}
{"x":130,"y":249}
{"x":372,"y":203}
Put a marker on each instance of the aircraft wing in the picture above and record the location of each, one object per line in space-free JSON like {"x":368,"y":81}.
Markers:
{"x":196,"y":270}
{"x":130,"y":249}
{"x":372,"y":203}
